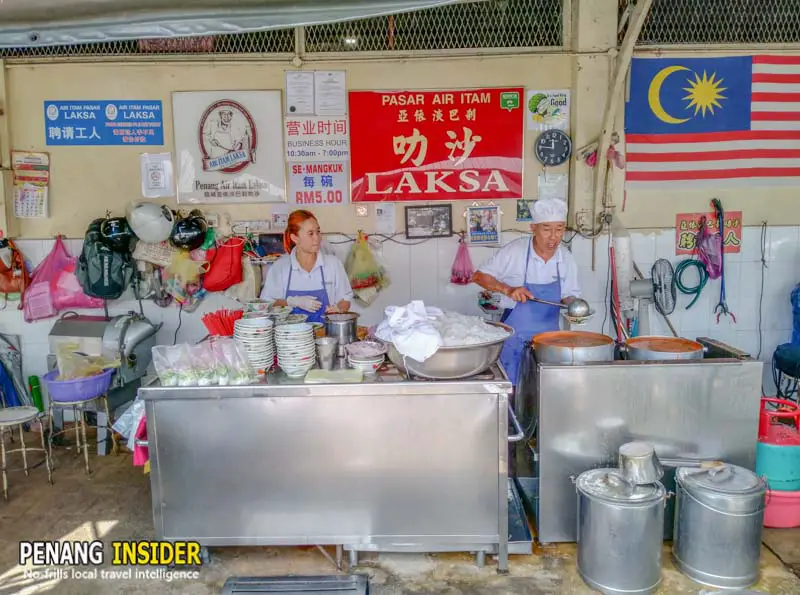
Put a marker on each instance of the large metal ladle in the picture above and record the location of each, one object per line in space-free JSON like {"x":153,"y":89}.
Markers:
{"x":577,"y":308}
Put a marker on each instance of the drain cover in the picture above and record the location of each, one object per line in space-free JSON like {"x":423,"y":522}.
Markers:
{"x":297,"y":585}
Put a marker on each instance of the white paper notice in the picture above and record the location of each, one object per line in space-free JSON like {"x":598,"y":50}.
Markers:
{"x":330,"y":93}
{"x":158,"y":178}
{"x":299,"y":93}
{"x":553,"y":186}
{"x":385,"y":222}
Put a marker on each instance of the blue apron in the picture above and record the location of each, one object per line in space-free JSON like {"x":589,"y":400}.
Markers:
{"x":320,"y":294}
{"x":529,"y":319}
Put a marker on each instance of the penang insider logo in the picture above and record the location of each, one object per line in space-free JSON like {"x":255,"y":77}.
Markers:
{"x":125,"y":553}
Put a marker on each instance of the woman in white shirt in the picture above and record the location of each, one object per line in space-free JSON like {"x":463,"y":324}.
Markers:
{"x":311,"y":282}
{"x":540,"y":267}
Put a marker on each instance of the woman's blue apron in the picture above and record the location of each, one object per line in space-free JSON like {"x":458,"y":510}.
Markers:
{"x":529,"y":319}
{"x":320,"y":294}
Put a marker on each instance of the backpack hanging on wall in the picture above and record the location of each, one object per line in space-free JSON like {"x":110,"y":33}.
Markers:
{"x":102,"y":272}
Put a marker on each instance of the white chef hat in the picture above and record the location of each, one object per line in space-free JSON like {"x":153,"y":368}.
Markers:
{"x":549,"y":210}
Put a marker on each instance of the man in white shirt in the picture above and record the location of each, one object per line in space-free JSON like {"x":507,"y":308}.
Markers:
{"x":525,"y":268}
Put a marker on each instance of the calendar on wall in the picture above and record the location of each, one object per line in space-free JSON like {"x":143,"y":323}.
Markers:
{"x":31,"y":184}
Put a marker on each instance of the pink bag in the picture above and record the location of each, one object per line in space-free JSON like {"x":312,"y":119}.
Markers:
{"x":709,"y":249}
{"x":461,"y":273}
{"x":54,"y":286}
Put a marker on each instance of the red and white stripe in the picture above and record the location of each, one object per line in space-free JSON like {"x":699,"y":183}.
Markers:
{"x":767,"y":154}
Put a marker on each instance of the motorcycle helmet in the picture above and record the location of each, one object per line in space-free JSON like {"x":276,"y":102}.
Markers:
{"x":93,"y":233}
{"x":189,"y":233}
{"x":116,"y":234}
{"x":150,"y":222}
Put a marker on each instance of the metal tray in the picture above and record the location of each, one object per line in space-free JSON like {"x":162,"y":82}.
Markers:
{"x":297,"y":585}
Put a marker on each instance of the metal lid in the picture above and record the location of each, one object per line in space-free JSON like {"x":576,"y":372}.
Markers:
{"x":726,"y":479}
{"x":609,"y":485}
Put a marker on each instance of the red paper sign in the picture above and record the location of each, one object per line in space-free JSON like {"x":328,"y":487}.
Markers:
{"x":436,"y":145}
{"x":688,"y":224}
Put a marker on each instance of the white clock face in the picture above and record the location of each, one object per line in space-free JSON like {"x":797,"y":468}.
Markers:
{"x":553,"y":148}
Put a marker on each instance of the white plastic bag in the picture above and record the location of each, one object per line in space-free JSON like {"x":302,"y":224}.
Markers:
{"x":129,"y":421}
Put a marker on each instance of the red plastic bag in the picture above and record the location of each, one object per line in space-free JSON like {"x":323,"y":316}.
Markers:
{"x":461,"y":273}
{"x":55,"y":287}
{"x":226,"y":268}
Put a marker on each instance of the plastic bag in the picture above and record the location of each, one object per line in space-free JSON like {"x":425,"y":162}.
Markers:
{"x":204,"y":363}
{"x":250,"y":287}
{"x":709,"y":249}
{"x":128,"y":422}
{"x":72,"y":365}
{"x":231,"y":356}
{"x":55,"y":287}
{"x":174,"y":366}
{"x":362,"y":270}
{"x":461,"y":273}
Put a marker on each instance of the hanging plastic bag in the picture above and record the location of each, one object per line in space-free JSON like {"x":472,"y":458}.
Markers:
{"x":55,"y":287}
{"x":709,"y":249}
{"x":461,"y":273}
{"x":226,"y":268}
{"x":362,"y":270}
{"x":250,"y":287}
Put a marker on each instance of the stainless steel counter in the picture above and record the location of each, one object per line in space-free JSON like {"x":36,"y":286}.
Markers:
{"x":696,"y":409}
{"x":393,"y":464}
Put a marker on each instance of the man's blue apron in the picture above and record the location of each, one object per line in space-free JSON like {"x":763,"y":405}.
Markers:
{"x":529,"y":319}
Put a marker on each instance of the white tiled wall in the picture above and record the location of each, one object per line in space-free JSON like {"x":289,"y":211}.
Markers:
{"x":422,"y":271}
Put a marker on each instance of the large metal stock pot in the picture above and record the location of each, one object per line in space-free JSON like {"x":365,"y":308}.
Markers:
{"x":572,"y":347}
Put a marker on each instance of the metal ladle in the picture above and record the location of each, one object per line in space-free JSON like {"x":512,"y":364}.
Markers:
{"x":577,"y":308}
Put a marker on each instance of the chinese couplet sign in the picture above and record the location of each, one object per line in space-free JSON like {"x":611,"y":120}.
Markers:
{"x":688,"y":224}
{"x":317,"y":154}
{"x":436,"y":145}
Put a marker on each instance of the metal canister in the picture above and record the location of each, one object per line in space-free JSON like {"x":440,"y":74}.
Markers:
{"x":620,"y":532}
{"x":719,"y":515}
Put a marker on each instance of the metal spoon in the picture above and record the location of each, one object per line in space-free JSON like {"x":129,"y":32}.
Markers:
{"x":577,"y":308}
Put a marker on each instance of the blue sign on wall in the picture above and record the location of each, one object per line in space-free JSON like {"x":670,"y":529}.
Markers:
{"x":95,"y":123}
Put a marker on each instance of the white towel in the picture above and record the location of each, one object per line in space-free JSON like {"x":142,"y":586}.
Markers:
{"x":410,"y":329}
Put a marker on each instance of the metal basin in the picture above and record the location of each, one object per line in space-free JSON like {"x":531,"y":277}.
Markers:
{"x":662,"y":348}
{"x":572,"y":347}
{"x":452,"y":363}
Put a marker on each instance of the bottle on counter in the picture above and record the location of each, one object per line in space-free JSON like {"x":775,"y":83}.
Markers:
{"x":36,"y":392}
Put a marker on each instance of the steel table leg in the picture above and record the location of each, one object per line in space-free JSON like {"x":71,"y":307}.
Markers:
{"x":339,"y":557}
{"x":3,"y":455}
{"x":480,"y":559}
{"x":46,"y":452}
{"x":353,"y":558}
{"x":24,"y":452}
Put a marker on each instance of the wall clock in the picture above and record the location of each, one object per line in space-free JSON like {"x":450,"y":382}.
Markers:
{"x":553,"y":147}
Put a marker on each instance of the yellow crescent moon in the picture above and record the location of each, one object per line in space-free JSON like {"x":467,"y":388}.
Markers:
{"x":654,"y":95}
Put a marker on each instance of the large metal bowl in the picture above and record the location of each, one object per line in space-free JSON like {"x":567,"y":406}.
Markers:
{"x":452,"y":363}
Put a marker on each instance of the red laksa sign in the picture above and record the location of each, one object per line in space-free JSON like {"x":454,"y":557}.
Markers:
{"x":436,"y":145}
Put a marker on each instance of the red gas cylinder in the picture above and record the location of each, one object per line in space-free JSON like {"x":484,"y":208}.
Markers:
{"x":771,"y":430}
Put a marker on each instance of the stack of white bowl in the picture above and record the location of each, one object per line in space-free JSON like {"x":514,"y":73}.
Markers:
{"x":254,"y":334}
{"x":296,"y":348}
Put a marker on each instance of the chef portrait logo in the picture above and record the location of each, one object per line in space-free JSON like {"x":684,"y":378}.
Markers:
{"x":128,"y":560}
{"x":227,"y":137}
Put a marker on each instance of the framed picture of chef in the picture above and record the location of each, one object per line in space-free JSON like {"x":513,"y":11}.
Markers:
{"x":229,"y":146}
{"x":483,"y":225}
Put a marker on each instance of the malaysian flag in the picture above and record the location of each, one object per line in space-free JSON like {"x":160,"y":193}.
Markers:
{"x":702,"y":122}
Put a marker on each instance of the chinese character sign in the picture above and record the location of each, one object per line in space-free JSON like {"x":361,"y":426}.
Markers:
{"x":317,"y":155}
{"x":436,"y":145}
{"x":687,"y":225}
{"x":101,"y":123}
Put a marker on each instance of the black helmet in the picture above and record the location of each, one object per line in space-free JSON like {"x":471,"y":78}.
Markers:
{"x":93,"y":233}
{"x":116,"y":234}
{"x":189,"y":233}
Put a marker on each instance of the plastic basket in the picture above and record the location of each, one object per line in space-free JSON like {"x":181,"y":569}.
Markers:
{"x":80,"y":389}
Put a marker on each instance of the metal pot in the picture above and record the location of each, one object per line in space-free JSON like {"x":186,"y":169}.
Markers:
{"x":610,"y":512}
{"x":639,"y":464}
{"x":662,"y":348}
{"x":719,"y":517}
{"x":572,"y":347}
{"x":342,"y":327}
{"x":453,"y":363}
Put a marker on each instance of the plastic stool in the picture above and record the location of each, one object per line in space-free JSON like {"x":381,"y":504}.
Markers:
{"x":79,"y":417}
{"x":19,"y":416}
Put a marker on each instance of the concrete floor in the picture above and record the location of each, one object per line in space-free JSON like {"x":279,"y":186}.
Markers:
{"x":114,"y":504}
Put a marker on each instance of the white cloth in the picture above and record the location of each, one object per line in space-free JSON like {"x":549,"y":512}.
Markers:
{"x":508,"y":266}
{"x":337,"y":284}
{"x":411,"y":330}
{"x":549,"y":210}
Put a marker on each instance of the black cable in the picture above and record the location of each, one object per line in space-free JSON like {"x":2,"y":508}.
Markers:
{"x":761,"y":292}
{"x":180,"y":321}
{"x":607,"y":294}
